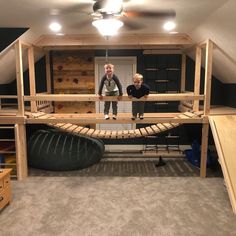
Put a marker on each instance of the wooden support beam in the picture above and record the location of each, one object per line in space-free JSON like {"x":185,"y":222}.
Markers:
{"x":33,"y":106}
{"x":48,"y":77}
{"x":208,"y":76}
{"x":90,"y":120}
{"x":183,"y":74}
{"x":204,"y":147}
{"x":6,"y":119}
{"x":19,"y":78}
{"x":92,"y":97}
{"x":145,"y":41}
{"x":21,"y":153}
{"x":197,"y":78}
{"x":48,"y":73}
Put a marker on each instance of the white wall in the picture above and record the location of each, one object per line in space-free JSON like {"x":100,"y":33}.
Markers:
{"x":220,"y":28}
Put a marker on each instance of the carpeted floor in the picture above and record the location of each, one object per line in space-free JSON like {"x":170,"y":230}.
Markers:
{"x":174,"y":167}
{"x":118,"y":206}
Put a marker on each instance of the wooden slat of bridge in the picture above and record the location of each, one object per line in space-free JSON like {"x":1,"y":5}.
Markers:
{"x":112,"y":134}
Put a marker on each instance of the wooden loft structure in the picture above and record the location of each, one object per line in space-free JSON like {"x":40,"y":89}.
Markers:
{"x":189,"y":101}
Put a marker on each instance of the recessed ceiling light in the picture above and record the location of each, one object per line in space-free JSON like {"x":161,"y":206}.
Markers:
{"x":169,"y":25}
{"x":55,"y":27}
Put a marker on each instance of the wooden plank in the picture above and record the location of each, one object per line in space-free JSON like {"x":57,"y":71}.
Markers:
{"x":149,"y":130}
{"x":155,"y":128}
{"x":102,"y":133}
{"x":168,"y":126}
{"x":125,"y":133}
{"x":114,"y":134}
{"x":224,"y":134}
{"x":197,"y":76}
{"x":84,"y":131}
{"x":189,"y":114}
{"x":19,"y":78}
{"x":131,"y":133}
{"x":144,"y":41}
{"x":208,"y":76}
{"x":204,"y":146}
{"x":90,"y":132}
{"x":66,"y":127}
{"x":183,"y":73}
{"x":96,"y":133}
{"x":33,"y":106}
{"x":21,"y":153}
{"x":72,"y":128}
{"x":161,"y":127}
{"x":143,"y":131}
{"x":108,"y":134}
{"x":137,"y":133}
{"x":77,"y":130}
{"x":93,"y":97}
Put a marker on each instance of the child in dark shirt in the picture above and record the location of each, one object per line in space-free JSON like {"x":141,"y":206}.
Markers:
{"x":138,"y":89}
{"x":112,"y":88}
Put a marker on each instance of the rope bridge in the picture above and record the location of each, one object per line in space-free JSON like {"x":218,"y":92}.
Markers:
{"x":112,"y":134}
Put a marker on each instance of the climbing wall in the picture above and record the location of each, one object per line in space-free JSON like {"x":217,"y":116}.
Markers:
{"x":73,"y":73}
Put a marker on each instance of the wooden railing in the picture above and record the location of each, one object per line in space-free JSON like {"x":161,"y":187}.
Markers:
{"x":7,"y":102}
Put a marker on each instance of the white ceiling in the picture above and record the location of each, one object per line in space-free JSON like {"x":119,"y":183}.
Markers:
{"x":198,"y":18}
{"x":72,"y":13}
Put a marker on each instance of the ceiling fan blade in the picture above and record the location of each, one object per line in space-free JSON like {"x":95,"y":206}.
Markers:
{"x":81,"y":24}
{"x":157,"y":14}
{"x":132,"y":25}
{"x":79,"y":8}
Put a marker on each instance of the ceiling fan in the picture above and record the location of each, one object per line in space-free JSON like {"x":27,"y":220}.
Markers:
{"x":115,"y":9}
{"x":104,"y":9}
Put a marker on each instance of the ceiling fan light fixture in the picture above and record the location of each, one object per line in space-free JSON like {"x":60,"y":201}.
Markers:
{"x":107,"y":27}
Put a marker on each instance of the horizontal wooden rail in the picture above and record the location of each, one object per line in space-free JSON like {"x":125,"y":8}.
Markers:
{"x":111,"y":121}
{"x":12,"y":120}
{"x":8,"y":96}
{"x":94,"y":98}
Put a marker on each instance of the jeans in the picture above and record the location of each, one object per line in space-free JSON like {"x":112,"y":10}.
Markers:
{"x":137,"y":107}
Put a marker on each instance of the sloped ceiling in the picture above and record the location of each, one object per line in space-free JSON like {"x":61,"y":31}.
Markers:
{"x":220,"y":27}
{"x":201,"y":19}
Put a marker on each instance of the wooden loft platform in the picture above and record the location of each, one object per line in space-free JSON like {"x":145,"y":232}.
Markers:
{"x":161,"y":43}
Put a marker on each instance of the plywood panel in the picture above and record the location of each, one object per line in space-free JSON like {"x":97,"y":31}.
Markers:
{"x":224,"y":133}
{"x":73,"y":73}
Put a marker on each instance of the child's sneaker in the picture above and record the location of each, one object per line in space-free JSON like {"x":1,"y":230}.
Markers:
{"x":133,"y":118}
{"x":141,"y":117}
{"x":107,"y":117}
{"x":114,"y":117}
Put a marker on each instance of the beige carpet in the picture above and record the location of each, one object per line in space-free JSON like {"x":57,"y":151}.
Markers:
{"x":125,"y":206}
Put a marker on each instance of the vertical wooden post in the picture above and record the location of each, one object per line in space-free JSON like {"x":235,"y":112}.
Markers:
{"x":183,"y":74}
{"x":33,"y":106}
{"x":19,"y":78}
{"x":197,"y":78}
{"x":204,"y":147}
{"x":207,"y":102}
{"x":21,"y":151}
{"x":48,"y":77}
{"x":208,"y":75}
